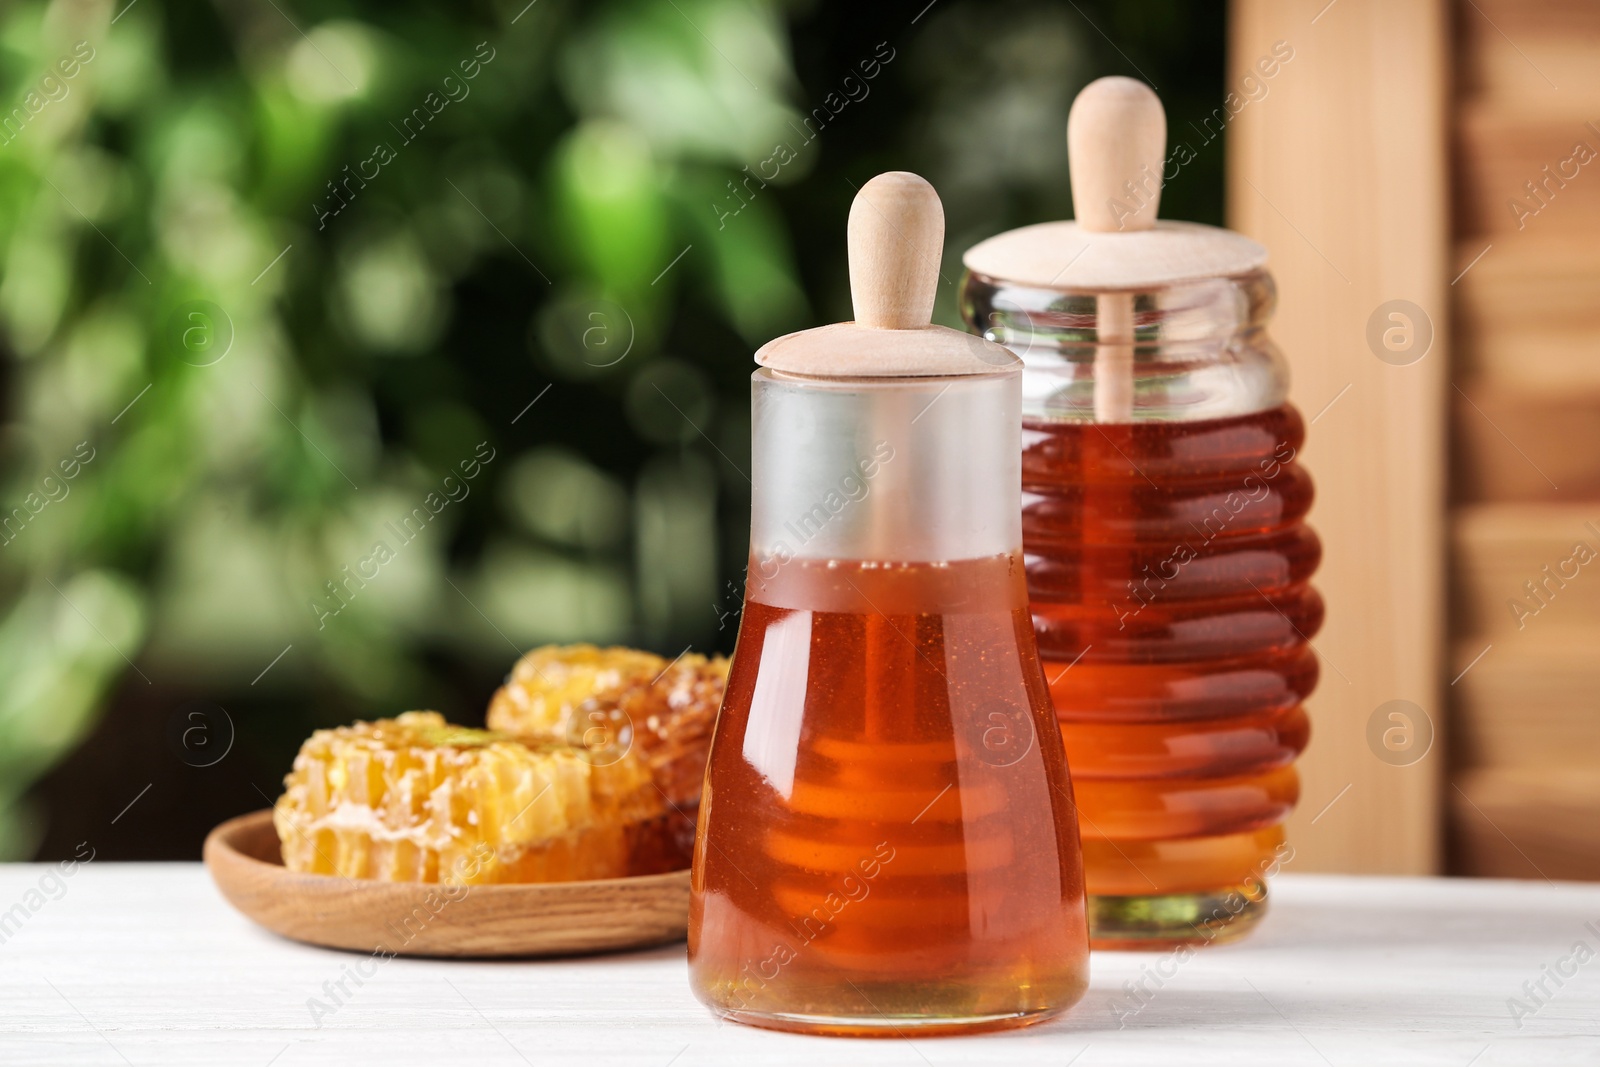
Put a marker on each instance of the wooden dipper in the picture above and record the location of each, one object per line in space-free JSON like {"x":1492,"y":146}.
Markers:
{"x":1116,"y":136}
{"x":896,"y":241}
{"x":1116,"y":247}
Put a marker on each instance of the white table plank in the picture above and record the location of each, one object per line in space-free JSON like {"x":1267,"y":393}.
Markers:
{"x":145,"y":964}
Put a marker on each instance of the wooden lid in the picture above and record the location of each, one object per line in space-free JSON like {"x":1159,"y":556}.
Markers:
{"x":896,"y":240}
{"x":1116,"y":140}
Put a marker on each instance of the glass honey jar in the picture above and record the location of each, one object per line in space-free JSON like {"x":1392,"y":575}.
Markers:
{"x":1167,"y":555}
{"x":888,"y":841}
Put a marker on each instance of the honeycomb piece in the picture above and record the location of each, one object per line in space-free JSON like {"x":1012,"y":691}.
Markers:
{"x":673,"y":719}
{"x":414,"y":799}
{"x":542,"y":695}
{"x":619,"y":700}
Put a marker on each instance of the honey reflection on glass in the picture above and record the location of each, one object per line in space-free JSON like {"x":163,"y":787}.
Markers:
{"x":887,"y":838}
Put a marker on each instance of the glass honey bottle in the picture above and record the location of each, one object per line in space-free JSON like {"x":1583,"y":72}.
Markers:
{"x":887,"y":841}
{"x":1166,"y":550}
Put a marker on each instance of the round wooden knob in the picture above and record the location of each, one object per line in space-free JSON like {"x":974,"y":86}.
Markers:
{"x":896,"y":239}
{"x":1116,"y":140}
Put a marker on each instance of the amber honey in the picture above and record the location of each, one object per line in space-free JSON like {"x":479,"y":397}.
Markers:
{"x":1167,"y":564}
{"x":889,"y":824}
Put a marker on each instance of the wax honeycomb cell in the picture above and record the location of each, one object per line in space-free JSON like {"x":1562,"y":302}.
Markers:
{"x":617,"y":699}
{"x":416,"y":799}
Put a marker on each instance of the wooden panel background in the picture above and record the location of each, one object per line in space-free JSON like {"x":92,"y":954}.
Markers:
{"x":1340,"y":170}
{"x":1526,"y":525}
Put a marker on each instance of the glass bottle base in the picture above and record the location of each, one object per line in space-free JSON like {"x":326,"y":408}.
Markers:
{"x":840,"y":1005}
{"x":1153,"y":923}
{"x":886,"y":1025}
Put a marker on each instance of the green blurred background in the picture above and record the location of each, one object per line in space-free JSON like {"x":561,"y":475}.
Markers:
{"x":282,"y":281}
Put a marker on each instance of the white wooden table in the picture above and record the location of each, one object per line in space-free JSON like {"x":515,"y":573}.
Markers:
{"x":145,"y":964}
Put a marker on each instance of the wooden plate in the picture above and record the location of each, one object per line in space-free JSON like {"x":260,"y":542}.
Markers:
{"x":412,"y":919}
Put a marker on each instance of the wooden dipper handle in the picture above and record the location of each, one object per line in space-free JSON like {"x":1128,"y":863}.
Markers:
{"x":896,"y":239}
{"x":1116,"y":138}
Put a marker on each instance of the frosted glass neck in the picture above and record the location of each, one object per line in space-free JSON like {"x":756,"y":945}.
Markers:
{"x":905,"y":470}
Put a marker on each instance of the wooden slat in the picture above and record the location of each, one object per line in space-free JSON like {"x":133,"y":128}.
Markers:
{"x":1544,"y":363}
{"x":1509,"y":446}
{"x":1542,"y":281}
{"x":1500,"y":149}
{"x":1528,"y":823}
{"x":1500,"y":548}
{"x":1527,"y":313}
{"x":1341,"y":173}
{"x":1529,"y":700}
{"x":1526,"y":570}
{"x":1533,"y":54}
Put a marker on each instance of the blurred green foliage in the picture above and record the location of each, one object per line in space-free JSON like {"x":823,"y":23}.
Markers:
{"x":465,"y":282}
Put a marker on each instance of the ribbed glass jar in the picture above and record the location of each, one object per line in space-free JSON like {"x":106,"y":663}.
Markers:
{"x":1167,"y":565}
